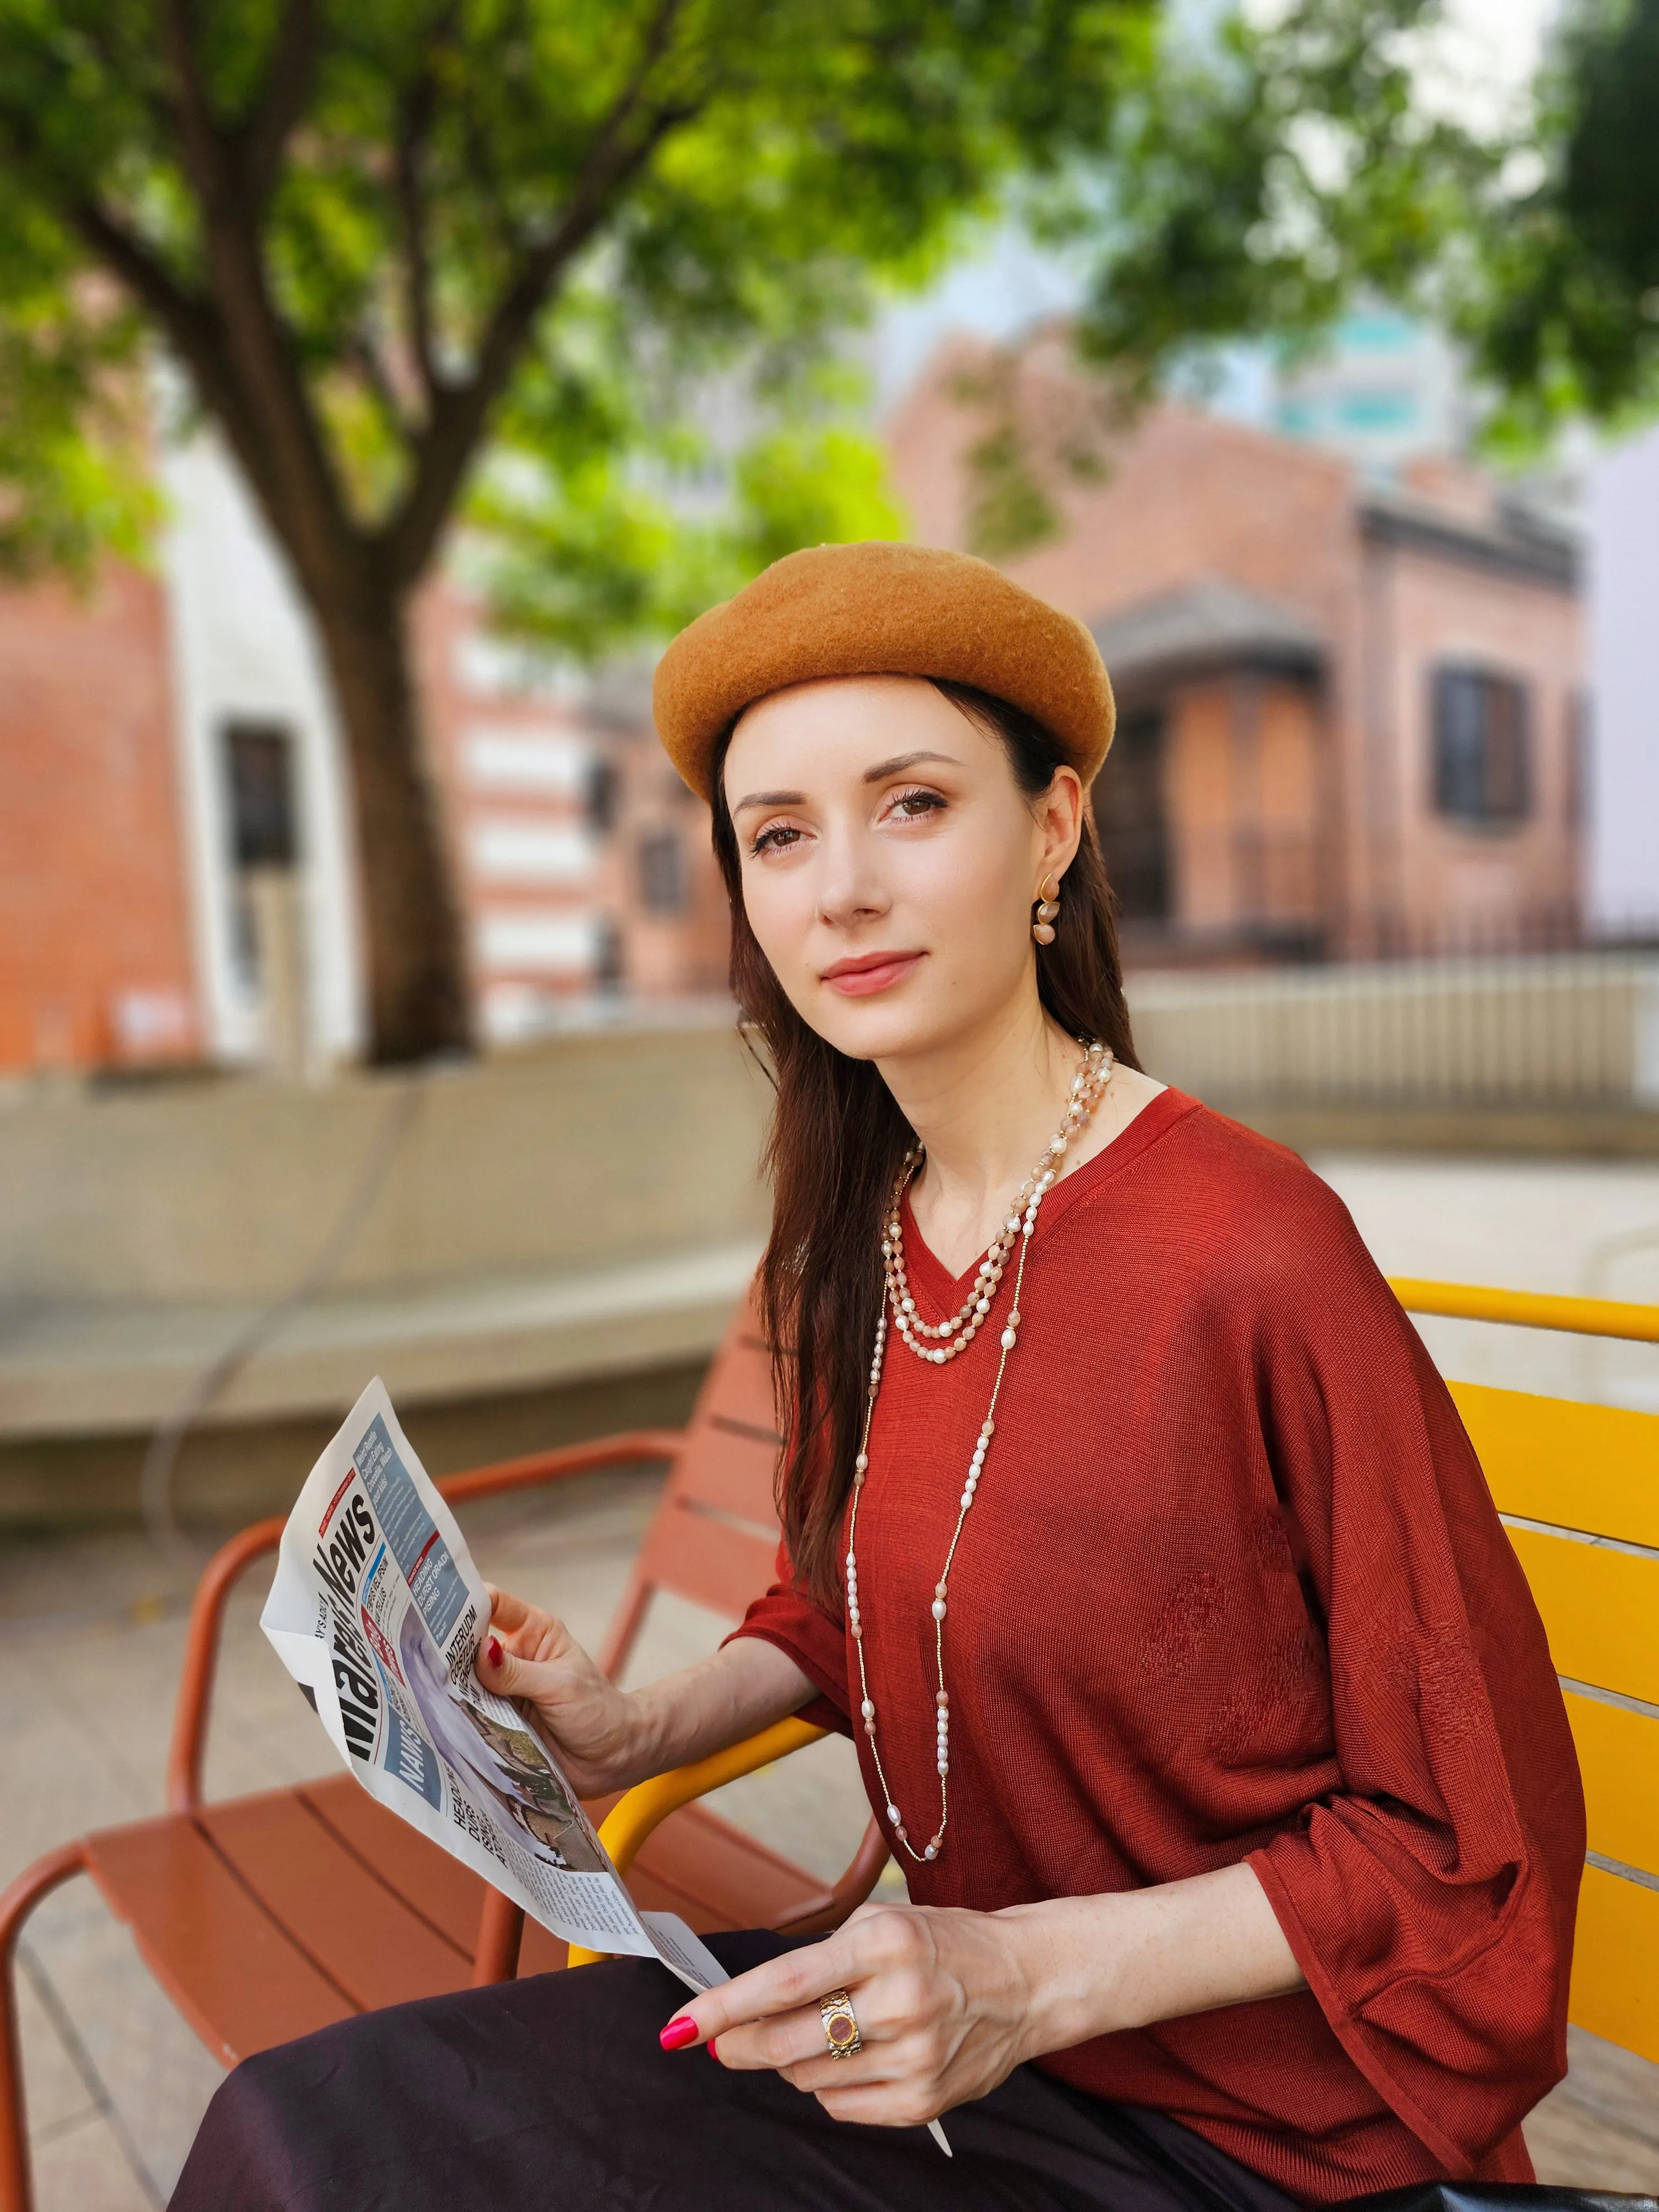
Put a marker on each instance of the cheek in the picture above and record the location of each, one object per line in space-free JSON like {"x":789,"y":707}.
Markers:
{"x":970,"y":899}
{"x":781,"y":909}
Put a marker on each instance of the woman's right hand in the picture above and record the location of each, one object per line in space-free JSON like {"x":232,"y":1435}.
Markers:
{"x":592,"y":1727}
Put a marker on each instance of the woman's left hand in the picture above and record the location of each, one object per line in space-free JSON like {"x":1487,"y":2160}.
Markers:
{"x":943,"y":1999}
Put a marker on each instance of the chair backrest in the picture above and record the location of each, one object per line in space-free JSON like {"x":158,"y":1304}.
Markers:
{"x":713,"y":1538}
{"x":1578,"y":1488}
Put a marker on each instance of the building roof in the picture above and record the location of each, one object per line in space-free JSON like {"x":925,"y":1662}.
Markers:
{"x":1517,"y":541}
{"x":1205,"y":626}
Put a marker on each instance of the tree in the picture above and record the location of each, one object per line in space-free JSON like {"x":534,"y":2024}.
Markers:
{"x":376,"y":233}
{"x":1271,"y":173}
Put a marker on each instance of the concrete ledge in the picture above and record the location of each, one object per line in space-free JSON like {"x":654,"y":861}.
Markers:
{"x":1550,"y":1131}
{"x":87,"y":1370}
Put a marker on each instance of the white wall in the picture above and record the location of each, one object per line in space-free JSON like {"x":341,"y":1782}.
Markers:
{"x":1625,"y":683}
{"x":243,"y":646}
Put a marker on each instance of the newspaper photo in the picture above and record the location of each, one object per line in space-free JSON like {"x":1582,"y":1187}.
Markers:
{"x":377,"y":1611}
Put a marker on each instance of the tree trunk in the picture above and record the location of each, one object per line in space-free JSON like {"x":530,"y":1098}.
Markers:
{"x":419,"y":1002}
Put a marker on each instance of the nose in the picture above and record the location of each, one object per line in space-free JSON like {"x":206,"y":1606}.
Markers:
{"x":850,"y":889}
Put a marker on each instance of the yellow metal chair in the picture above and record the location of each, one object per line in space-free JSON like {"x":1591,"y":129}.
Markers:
{"x":1578,"y":1487}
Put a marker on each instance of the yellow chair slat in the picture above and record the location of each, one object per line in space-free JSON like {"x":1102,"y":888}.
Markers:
{"x":1615,"y":1962}
{"x":1581,"y":1466}
{"x":1600,"y":1610}
{"x":1528,"y":1308}
{"x":1618,"y":1759}
{"x":648,"y":1804}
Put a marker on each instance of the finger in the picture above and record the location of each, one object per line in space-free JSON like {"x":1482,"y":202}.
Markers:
{"x":505,"y":1611}
{"x":783,"y":2041}
{"x":793,"y":1981}
{"x":883,"y":2103}
{"x":501,"y":1670}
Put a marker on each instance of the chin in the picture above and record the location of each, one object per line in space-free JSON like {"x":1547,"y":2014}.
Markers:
{"x":887,"y":1028}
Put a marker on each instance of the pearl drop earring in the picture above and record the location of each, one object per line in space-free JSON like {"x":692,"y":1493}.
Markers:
{"x":1048,"y":914}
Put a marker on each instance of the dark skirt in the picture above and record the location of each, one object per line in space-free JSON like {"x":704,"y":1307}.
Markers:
{"x":552,"y":2094}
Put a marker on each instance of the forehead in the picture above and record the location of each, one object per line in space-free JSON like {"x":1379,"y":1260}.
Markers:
{"x":814,"y":732}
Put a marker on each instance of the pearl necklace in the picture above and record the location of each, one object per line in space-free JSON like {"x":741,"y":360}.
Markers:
{"x":1088,"y":1088}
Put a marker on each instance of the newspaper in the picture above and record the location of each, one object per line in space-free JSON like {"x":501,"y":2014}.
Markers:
{"x":377,"y":1611}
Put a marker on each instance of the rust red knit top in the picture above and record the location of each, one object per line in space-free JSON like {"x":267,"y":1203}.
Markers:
{"x":1232,"y":1587}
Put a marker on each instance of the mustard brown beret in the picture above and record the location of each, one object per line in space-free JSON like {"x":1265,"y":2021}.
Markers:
{"x":881,"y":609}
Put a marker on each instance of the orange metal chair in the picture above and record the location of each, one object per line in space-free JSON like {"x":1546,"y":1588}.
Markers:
{"x":265,"y":1917}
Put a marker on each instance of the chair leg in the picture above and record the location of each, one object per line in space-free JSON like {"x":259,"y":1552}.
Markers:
{"x":501,"y":1931}
{"x":17,"y":2193}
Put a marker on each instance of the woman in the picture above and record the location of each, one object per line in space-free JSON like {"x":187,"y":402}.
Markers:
{"x":1127,"y":1528}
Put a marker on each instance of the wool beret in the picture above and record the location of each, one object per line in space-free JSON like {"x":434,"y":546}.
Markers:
{"x":881,"y":609}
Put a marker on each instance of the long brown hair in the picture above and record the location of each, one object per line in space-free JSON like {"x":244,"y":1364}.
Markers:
{"x":838,"y":1139}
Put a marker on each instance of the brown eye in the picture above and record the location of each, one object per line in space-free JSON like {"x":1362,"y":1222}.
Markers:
{"x":912,"y":805}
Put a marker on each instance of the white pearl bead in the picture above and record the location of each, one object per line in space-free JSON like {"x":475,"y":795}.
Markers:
{"x":932,"y":1852}
{"x":938,"y":1358}
{"x":967,"y":1499}
{"x":1008,"y":1340}
{"x":862,"y":1461}
{"x":893,"y":1815}
{"x":868,"y":1710}
{"x":943,"y":1768}
{"x":1056,"y":1145}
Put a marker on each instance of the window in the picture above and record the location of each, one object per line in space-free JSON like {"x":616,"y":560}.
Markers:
{"x":604,"y":795}
{"x":259,"y":768}
{"x":1131,"y":820}
{"x":1481,"y":742}
{"x":662,"y":872}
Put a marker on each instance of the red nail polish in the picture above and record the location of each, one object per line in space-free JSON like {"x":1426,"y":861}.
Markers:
{"x":678,"y":2034}
{"x":712,"y":2053}
{"x":495,"y":1650}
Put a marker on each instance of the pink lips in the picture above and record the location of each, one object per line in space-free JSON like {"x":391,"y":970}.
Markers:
{"x":870,"y":972}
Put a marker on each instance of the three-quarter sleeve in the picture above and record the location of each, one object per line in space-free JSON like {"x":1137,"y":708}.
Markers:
{"x":813,"y":1638}
{"x":1430,"y":1902}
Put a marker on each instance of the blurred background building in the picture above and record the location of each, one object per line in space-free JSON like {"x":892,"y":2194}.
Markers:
{"x":1356,"y":674}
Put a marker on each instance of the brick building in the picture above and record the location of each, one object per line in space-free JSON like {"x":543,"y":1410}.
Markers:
{"x":1350,"y":722}
{"x":178,"y":875}
{"x":1351,"y":710}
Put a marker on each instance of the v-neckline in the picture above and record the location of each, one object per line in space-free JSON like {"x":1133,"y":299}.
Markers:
{"x":1159,"y":1115}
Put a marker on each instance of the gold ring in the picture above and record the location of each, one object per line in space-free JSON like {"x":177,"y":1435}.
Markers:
{"x":840,"y":2027}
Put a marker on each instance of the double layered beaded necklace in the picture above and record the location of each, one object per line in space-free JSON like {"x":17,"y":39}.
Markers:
{"x":936,"y":1343}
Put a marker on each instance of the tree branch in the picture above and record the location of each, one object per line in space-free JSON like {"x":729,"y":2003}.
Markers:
{"x":190,"y":323}
{"x":461,"y":410}
{"x":199,"y":137}
{"x":288,"y":84}
{"x":415,"y":123}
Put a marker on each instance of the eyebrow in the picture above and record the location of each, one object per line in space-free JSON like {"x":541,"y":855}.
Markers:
{"x":879,"y":774}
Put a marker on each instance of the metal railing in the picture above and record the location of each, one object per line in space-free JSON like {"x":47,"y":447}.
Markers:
{"x":1568,"y":1029}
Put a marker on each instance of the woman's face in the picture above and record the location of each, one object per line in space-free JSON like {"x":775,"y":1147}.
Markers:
{"x":890,"y":860}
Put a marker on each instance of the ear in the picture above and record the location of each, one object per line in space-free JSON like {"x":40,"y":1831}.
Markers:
{"x":1059,"y":824}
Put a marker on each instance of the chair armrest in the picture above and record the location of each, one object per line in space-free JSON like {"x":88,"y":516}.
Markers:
{"x":227,"y":1565}
{"x":646,"y":1806}
{"x":1530,"y":1308}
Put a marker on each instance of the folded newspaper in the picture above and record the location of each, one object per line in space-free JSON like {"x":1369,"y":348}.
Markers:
{"x":377,"y":1612}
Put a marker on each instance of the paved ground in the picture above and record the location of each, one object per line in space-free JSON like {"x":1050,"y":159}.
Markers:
{"x":91,"y":1632}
